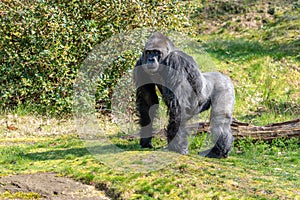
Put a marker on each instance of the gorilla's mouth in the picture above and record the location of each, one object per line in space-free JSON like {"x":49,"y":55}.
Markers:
{"x":151,"y":68}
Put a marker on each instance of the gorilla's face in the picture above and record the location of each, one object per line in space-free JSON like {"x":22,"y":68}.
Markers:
{"x":153,"y":58}
{"x":156,"y":49}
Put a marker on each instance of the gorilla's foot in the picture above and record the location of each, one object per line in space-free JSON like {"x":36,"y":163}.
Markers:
{"x":221,"y":148}
{"x":178,"y":143}
{"x":214,"y":153}
{"x":149,"y":146}
{"x":183,"y":151}
{"x":178,"y":146}
{"x":146,"y":142}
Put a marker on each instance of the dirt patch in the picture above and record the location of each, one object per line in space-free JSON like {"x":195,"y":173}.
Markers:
{"x":50,"y":186}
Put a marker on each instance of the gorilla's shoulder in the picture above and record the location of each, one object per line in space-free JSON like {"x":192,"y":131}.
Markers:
{"x":178,"y":57}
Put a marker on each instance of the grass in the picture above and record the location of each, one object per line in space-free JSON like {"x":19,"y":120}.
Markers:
{"x":253,"y":170}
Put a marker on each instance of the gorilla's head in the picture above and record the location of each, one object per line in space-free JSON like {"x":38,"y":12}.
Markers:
{"x":156,"y":49}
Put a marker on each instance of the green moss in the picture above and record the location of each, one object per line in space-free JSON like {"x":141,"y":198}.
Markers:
{"x":20,"y":195}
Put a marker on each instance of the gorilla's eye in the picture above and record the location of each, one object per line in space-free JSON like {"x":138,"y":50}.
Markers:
{"x":153,"y":53}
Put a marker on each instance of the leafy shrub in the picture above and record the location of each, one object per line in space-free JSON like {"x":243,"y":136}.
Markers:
{"x":44,"y":43}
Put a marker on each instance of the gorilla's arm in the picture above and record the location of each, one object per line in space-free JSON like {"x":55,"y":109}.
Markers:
{"x":146,"y":103}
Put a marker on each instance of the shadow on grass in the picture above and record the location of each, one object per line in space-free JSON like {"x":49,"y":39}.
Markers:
{"x":84,"y":151}
{"x":57,"y":154}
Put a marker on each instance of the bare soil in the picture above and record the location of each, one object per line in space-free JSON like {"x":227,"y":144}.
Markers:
{"x":50,"y":186}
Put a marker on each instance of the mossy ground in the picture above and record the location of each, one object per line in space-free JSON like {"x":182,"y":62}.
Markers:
{"x":253,"y":170}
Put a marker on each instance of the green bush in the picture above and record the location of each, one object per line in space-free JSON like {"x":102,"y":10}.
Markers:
{"x":44,"y":43}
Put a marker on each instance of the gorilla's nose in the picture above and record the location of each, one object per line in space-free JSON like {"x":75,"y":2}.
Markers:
{"x":151,"y":59}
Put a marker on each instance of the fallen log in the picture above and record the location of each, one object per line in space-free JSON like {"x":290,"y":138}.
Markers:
{"x":241,"y":130}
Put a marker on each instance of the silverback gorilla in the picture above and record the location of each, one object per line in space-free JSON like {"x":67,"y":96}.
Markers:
{"x":186,"y":92}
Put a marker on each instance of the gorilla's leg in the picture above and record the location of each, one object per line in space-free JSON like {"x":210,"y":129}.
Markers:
{"x":220,"y":121}
{"x":147,"y":105}
{"x":221,"y":137}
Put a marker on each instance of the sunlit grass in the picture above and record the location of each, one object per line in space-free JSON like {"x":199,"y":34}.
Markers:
{"x":253,"y":170}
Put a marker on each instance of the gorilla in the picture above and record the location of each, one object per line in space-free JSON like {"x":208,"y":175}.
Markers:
{"x":186,"y":92}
